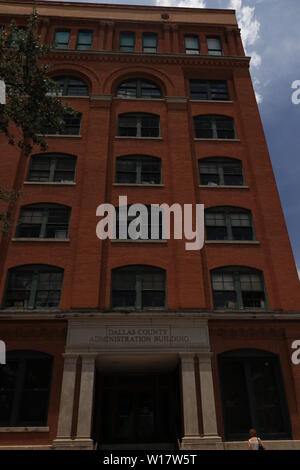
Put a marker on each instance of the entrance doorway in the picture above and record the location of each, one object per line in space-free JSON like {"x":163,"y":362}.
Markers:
{"x":132,"y":411}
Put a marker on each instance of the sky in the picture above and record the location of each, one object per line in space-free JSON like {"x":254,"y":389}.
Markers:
{"x":271,"y":36}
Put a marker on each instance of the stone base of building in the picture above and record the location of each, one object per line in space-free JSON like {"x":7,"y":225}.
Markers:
{"x":202,"y":443}
{"x":73,"y":444}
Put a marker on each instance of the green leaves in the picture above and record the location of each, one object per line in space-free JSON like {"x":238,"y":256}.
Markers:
{"x":29,"y":106}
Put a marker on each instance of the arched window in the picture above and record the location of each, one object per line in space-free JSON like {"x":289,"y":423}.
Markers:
{"x":25,"y":382}
{"x":52,"y":167}
{"x":135,"y":169}
{"x":214,"y":127}
{"x":43,"y":221}
{"x":138,"y":287}
{"x":33,"y":287}
{"x":151,"y":226}
{"x":220,"y":171}
{"x":253,"y":395}
{"x":228,"y":223}
{"x":238,"y":288}
{"x":71,"y":86}
{"x":138,"y":88}
{"x":138,"y":125}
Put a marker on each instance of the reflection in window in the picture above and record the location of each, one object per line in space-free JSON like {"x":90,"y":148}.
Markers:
{"x":138,"y":88}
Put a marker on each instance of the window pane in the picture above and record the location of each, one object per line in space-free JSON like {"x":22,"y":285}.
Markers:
{"x":127,"y":89}
{"x":214,"y":46}
{"x":127,"y":40}
{"x":199,"y":90}
{"x":149,"y":90}
{"x":127,"y":126}
{"x":225,"y":300}
{"x":150,"y":126}
{"x":153,"y":299}
{"x":192,"y":45}
{"x":84,"y":40}
{"x":203,"y":127}
{"x":150,"y":43}
{"x":62,"y":39}
{"x":225,"y":128}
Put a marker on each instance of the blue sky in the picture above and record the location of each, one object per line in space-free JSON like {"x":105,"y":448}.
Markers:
{"x":271,"y":35}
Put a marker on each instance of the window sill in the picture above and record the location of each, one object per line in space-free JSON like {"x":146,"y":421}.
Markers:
{"x":232,"y":242}
{"x":59,"y":240}
{"x":137,"y":99}
{"x":217,"y":140}
{"x":64,"y":136}
{"x":208,"y":186}
{"x":140,"y":185}
{"x":24,"y":429}
{"x":137,"y":138}
{"x":212,"y":101}
{"x":50,"y":183}
{"x":139,"y":241}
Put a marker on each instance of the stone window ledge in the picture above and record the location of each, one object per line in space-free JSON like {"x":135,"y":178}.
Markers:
{"x":49,"y":183}
{"x":222,"y":186}
{"x":233,"y":242}
{"x":24,"y":429}
{"x":38,"y":240}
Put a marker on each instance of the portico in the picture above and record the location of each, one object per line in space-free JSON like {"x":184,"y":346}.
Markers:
{"x":125,"y":370}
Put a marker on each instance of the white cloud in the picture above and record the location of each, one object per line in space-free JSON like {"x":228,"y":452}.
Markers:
{"x":299,"y":273}
{"x":255,"y":59}
{"x":181,"y":3}
{"x":250,"y":27}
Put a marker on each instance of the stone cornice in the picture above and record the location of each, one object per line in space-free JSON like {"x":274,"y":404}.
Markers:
{"x":17,"y":315}
{"x":173,"y":59}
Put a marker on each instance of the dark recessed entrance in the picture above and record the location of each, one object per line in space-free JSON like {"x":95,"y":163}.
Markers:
{"x":137,"y":410}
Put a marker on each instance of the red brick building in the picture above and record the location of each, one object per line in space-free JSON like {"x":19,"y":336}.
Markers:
{"x":143,"y":344}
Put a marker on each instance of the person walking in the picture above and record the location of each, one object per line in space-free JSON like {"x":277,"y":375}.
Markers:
{"x":254,"y":443}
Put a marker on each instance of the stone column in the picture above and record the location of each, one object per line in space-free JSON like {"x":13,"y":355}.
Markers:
{"x":189,"y":402}
{"x":209,"y":419}
{"x":86,"y":398}
{"x":64,"y":429}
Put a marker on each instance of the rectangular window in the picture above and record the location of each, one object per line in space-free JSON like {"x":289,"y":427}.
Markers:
{"x":127,"y":41}
{"x":214,"y":46}
{"x":71,"y":127}
{"x":84,"y":40}
{"x":62,"y":38}
{"x":192,"y":45}
{"x":150,"y":43}
{"x":215,"y":90}
{"x":51,"y":168}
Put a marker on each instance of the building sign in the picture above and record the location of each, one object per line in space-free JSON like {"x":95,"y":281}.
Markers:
{"x":111,"y":337}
